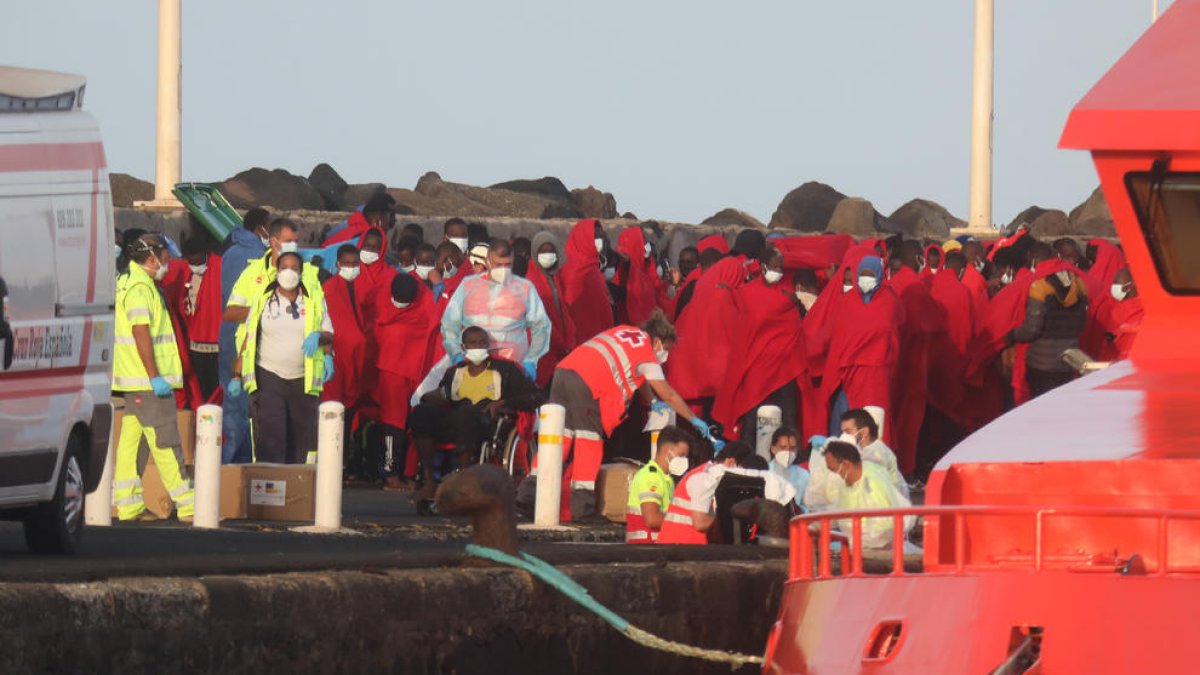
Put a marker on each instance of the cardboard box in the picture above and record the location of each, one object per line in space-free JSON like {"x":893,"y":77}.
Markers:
{"x":187,"y":435}
{"x":612,"y":489}
{"x":269,"y":491}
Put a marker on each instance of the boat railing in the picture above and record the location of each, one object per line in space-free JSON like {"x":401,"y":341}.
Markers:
{"x":813,"y":537}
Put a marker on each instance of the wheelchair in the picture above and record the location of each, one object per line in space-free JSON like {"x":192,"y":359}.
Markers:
{"x":508,"y":443}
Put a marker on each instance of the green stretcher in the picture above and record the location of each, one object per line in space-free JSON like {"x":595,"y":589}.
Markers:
{"x":209,"y":207}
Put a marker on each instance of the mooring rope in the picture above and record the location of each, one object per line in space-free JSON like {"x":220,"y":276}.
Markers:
{"x":570,"y":588}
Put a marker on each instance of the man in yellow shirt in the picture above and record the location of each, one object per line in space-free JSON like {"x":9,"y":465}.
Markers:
{"x":471,"y":395}
{"x":652,"y":486}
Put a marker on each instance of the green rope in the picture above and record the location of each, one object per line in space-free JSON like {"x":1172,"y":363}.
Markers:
{"x":570,"y":588}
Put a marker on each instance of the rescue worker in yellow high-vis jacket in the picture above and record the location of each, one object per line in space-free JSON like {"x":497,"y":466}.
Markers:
{"x":146,"y":372}
{"x":283,"y":363}
{"x":249,"y":290}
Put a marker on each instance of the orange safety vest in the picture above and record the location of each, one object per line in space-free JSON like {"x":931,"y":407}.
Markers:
{"x":608,"y":363}
{"x":677,"y":527}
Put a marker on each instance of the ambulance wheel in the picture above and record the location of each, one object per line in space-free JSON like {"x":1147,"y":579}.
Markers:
{"x":56,"y":526}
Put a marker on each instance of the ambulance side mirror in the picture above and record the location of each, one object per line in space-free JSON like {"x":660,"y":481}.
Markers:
{"x":5,"y":330}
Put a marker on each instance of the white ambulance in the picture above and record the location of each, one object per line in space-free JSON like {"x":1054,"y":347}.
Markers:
{"x":56,"y":326}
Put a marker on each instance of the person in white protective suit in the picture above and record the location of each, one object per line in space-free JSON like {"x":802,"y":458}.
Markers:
{"x":864,"y":486}
{"x":862,"y":429}
{"x":503,"y":304}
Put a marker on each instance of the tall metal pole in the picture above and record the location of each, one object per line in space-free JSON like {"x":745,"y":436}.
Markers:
{"x":1154,"y":8}
{"x":980,"y":208}
{"x":167,"y":151}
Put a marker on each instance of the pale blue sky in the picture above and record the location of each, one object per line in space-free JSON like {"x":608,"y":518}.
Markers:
{"x":679,"y":108}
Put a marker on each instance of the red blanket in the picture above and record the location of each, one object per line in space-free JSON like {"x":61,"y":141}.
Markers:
{"x":562,"y":328}
{"x":409,"y":335}
{"x":947,"y":360}
{"x":923,"y":322}
{"x":767,"y":352}
{"x":1109,"y":261}
{"x":583,"y":287}
{"x":349,"y":345}
{"x":706,"y":330}
{"x":813,"y":253}
{"x":641,"y":285}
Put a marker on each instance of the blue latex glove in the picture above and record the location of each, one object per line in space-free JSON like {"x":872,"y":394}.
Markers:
{"x":160,"y":386}
{"x":458,"y":358}
{"x":311,"y":344}
{"x":817,"y":441}
{"x":702,"y":427}
{"x":659,"y":407}
{"x":718,"y":445}
{"x":234,"y":388}
{"x":328,"y":368}
{"x":530,"y":369}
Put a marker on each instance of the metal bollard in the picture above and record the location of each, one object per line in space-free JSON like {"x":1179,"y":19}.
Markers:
{"x":329,"y":466}
{"x":207,"y":479}
{"x":552,"y":419}
{"x":97,"y":506}
{"x":656,"y":422}
{"x":770,"y":418}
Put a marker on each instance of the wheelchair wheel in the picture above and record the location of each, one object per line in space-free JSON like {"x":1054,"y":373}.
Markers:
{"x":516,"y":458}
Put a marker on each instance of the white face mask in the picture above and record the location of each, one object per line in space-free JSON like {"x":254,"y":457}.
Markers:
{"x":846,"y":288}
{"x":658,"y":270}
{"x":460,"y":242}
{"x":423,"y":271}
{"x":807,"y":299}
{"x":288,"y":247}
{"x":661,"y":355}
{"x":839,"y":480}
{"x":677,"y":466}
{"x":648,"y":249}
{"x":408,"y":269}
{"x":979,"y":265}
{"x":368,"y":257}
{"x":199,"y":269}
{"x":849,"y":438}
{"x":1006,"y":278}
{"x":610,"y":273}
{"x":547,"y":260}
{"x":288,"y":279}
{"x":867,"y":284}
{"x":500,"y":274}
{"x":116,"y":251}
{"x":1119,"y":292}
{"x":450,"y":271}
{"x":772,"y":277}
{"x":476,"y":356}
{"x":161,"y":271}
{"x":785,"y":457}
{"x":349,"y":273}
{"x":599,"y":245}
{"x":399,"y":305}
{"x":265,"y":240}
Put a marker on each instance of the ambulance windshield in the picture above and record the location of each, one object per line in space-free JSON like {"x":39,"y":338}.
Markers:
{"x":1168,"y":209}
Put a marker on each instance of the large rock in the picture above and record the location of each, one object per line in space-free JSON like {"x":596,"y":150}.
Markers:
{"x":440,"y":197}
{"x":546,"y":187}
{"x":807,"y":208}
{"x":126,"y":189}
{"x":733,"y":218}
{"x":1025,"y":218}
{"x":855,"y":216}
{"x":1051,"y":223}
{"x":329,"y":185}
{"x":593,"y":203}
{"x":277,"y":189}
{"x":1092,"y":218}
{"x":355,"y":196}
{"x":925,"y":219}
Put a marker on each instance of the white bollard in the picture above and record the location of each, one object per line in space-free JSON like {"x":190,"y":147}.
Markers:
{"x":552,"y":419}
{"x":329,"y":466}
{"x":656,"y":422}
{"x":97,"y":506}
{"x":770,"y":418}
{"x":206,"y":480}
{"x":878,"y":415}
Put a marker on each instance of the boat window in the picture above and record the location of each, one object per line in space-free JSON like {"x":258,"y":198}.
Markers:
{"x":1168,"y":209}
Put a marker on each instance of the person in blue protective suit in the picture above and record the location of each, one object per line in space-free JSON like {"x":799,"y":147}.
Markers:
{"x":503,"y":304}
{"x":246,"y":244}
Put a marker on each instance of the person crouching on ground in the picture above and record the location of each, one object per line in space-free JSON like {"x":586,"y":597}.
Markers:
{"x":284,"y":363}
{"x":470,"y":397}
{"x":652,"y":486}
